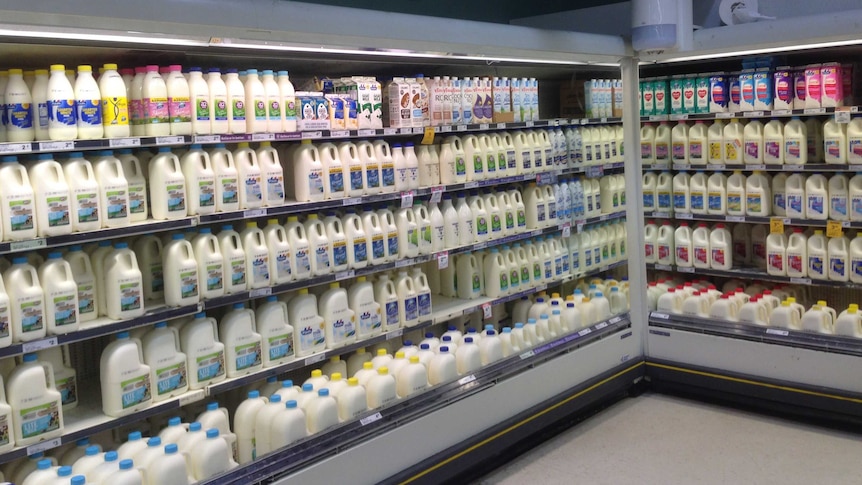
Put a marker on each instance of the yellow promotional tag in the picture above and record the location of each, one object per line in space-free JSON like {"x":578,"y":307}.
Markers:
{"x":776,"y":225}
{"x":834,"y":229}
{"x":428,"y":138}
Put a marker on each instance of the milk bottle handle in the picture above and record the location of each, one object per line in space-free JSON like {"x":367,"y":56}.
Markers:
{"x":215,"y":328}
{"x":253,"y":320}
{"x":49,"y":374}
{"x":118,"y":167}
{"x":283,"y":307}
{"x":176,"y":334}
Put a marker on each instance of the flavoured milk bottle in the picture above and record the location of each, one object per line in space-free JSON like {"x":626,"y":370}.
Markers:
{"x":210,"y":262}
{"x":37,"y":412}
{"x":199,"y":339}
{"x":226,"y":179}
{"x":154,"y":101}
{"x":167,"y":186}
{"x":52,"y":197}
{"x":181,"y":277}
{"x":238,"y":332}
{"x":127,"y":384}
{"x":161,"y":351}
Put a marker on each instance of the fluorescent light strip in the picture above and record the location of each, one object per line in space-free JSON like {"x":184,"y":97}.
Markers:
{"x":765,"y":50}
{"x":115,"y":38}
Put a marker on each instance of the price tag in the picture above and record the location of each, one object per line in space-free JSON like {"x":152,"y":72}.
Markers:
{"x":480,"y":245}
{"x":191,"y":397}
{"x":674,"y":117}
{"x":366,"y":132}
{"x":814,"y":111}
{"x":428,"y":136}
{"x":352,"y":201}
{"x":38,"y":345}
{"x":527,"y":354}
{"x":403,"y":262}
{"x":43,"y":446}
{"x":437,"y":194}
{"x":461,"y":128}
{"x":601,"y":325}
{"x":486,"y":311}
{"x":395,"y":333}
{"x":842,"y":115}
{"x":501,"y":126}
{"x":52,"y":146}
{"x":595,"y":171}
{"x":484,"y":126}
{"x":419,"y":130}
{"x":791,"y":168}
{"x":339,"y":134}
{"x":471,"y":185}
{"x":345,"y":275}
{"x":390,"y":131}
{"x":801,"y":281}
{"x":723,"y":115}
{"x":311,"y":135}
{"x":248,"y":214}
{"x":776,"y":331}
{"x":259,"y":292}
{"x":445,"y":129}
{"x":585,"y":331}
{"x":579,"y":227}
{"x":370,"y":419}
{"x":782,"y":112}
{"x":14,"y":147}
{"x":834,"y":229}
{"x":406,"y":131}
{"x":443,"y":260}
{"x":529,"y":124}
{"x":467,"y":379}
{"x":124,"y":142}
{"x":407,"y":199}
{"x":685,"y":270}
{"x":567,"y":229}
{"x":28,"y":244}
{"x":206,"y":139}
{"x":776,"y":225}
{"x":735,"y":218}
{"x":755,"y":167}
{"x":660,"y":316}
{"x":315,"y":358}
{"x":684,"y":216}
{"x":753,"y":114}
{"x":615,"y":320}
{"x":169,"y":140}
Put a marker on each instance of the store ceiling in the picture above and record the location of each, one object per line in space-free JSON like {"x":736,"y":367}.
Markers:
{"x":498,"y":11}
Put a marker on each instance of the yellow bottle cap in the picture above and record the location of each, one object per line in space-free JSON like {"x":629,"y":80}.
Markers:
{"x":791,"y":299}
{"x":336,"y":358}
{"x":555,"y":295}
{"x":360,"y":350}
{"x":41,"y":72}
{"x":85,"y":68}
{"x":785,"y":303}
{"x":29,"y":73}
{"x":822,"y":303}
{"x":19,"y":72}
{"x":292,"y":218}
{"x":266,"y":144}
{"x":353,"y":382}
{"x":312,"y":217}
{"x":361,"y":279}
{"x":414,"y":359}
{"x":110,"y":67}
{"x":251,"y":224}
{"x":316,"y":373}
{"x":336,"y":376}
{"x":383,"y":370}
{"x":399,"y":355}
{"x":243,"y":144}
{"x":381,"y":352}
{"x":305,"y":142}
{"x":272,"y":222}
{"x":334,"y":285}
{"x":367,"y":365}
{"x":303,"y":291}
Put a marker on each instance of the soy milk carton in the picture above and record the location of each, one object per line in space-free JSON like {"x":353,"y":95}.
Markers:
{"x":399,"y":104}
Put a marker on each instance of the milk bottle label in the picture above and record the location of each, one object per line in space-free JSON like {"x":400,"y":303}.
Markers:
{"x":679,"y":200}
{"x":540,"y":212}
{"x":170,"y":378}
{"x":4,"y":430}
{"x":752,"y":149}
{"x":210,"y":366}
{"x":42,"y":114}
{"x":315,"y":185}
{"x":482,"y":223}
{"x":4,"y":321}
{"x":339,"y":253}
{"x":282,"y":264}
{"x":552,"y":210}
{"x":649,"y":249}
{"x":238,"y":109}
{"x":794,"y":151}
{"x":391,"y":309}
{"x":373,"y":178}
{"x":649,"y":199}
{"x":832,"y":147}
{"x":322,"y":256}
{"x":856,"y":267}
{"x":663,"y":201}
{"x":734,"y":201}
{"x":253,"y":190}
{"x":207,"y":193}
{"x":136,"y":391}
{"x":336,"y":181}
{"x":522,"y":218}
{"x":682,"y":255}
{"x":39,"y":420}
{"x":857,"y":206}
{"x":492,"y":163}
{"x":220,"y":110}
{"x":156,"y":111}
{"x":794,"y":203}
{"x":202,"y":109}
{"x":378,"y":250}
{"x":815,"y":265}
{"x":696,"y":201}
{"x":646,"y":151}
{"x":214,"y":277}
{"x":312,"y":335}
{"x":838,"y":205}
{"x":303,"y":264}
{"x":794,"y":262}
{"x":510,"y":222}
{"x":664,"y":251}
{"x":247,"y":355}
{"x":701,"y":255}
{"x":20,"y":115}
{"x":343,"y":329}
{"x":753,"y":202}
{"x":678,"y":149}
{"x":393,"y":243}
{"x":718,"y":256}
{"x":229,"y":194}
{"x":259,"y":109}
{"x":189,"y":283}
{"x":661,"y":152}
{"x":90,"y":111}
{"x":65,"y":312}
{"x":356,"y":178}
{"x":695,"y":150}
{"x":280,"y":346}
{"x":137,"y":196}
{"x":525,"y":274}
{"x":731,"y":149}
{"x":176,"y":198}
{"x":549,"y":270}
{"x":88,"y":208}
{"x":21,"y":213}
{"x":130,"y":296}
{"x":259,"y":269}
{"x":158,"y":282}
{"x":62,"y":111}
{"x":58,"y":210}
{"x":31,"y":315}
{"x":537,"y":158}
{"x":815,"y":204}
{"x":776,"y":261}
{"x":369,"y":321}
{"x":773,"y":150}
{"x":387,"y":171}
{"x":426,"y":232}
{"x":117,"y":201}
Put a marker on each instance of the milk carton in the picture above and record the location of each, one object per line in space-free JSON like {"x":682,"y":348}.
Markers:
{"x":398,"y":101}
{"x":502,"y":95}
{"x":832,"y":94}
{"x":763,"y":91}
{"x":813,"y":86}
{"x":718,"y":96}
{"x":746,"y":89}
{"x":676,"y":98}
{"x":701,"y":94}
{"x":782,"y":88}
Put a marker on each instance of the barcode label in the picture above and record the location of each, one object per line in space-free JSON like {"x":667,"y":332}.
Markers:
{"x":38,"y":345}
{"x":467,"y":379}
{"x":315,"y":358}
{"x":124,"y":142}
{"x":775,"y":331}
{"x":370,"y":419}
{"x":259,"y":292}
{"x":56,"y":145}
{"x":169,"y":140}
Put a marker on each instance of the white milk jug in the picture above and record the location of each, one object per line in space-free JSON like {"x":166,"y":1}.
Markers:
{"x":201,"y":179}
{"x":136,"y":178}
{"x":37,"y":412}
{"x":127,"y":385}
{"x":181,"y":276}
{"x":226,"y":179}
{"x":61,"y":295}
{"x":242,"y":343}
{"x":52,"y":197}
{"x":206,"y":355}
{"x":167,"y":186}
{"x":26,"y":299}
{"x":210,"y":262}
{"x":161,"y":350}
{"x":124,"y":296}
{"x":251,"y":183}
{"x":85,"y":207}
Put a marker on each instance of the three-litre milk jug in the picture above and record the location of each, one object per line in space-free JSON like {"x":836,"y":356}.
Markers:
{"x":206,"y":355}
{"x":148,"y":251}
{"x":309,"y":335}
{"x":242,"y":343}
{"x":181,"y":276}
{"x":161,"y":351}
{"x":85,"y":278}
{"x":37,"y":412}
{"x":758,"y":197}
{"x":201,"y":179}
{"x":137,"y":180}
{"x":167,"y":186}
{"x":795,"y":142}
{"x":236,"y":265}
{"x":275,"y":332}
{"x":61,"y":295}
{"x":715,"y":141}
{"x":272,"y":175}
{"x":18,"y":211}
{"x":211,"y":267}
{"x":124,"y":296}
{"x":773,"y":143}
{"x":839,"y":198}
{"x":753,"y":139}
{"x":679,"y":144}
{"x":226,"y":179}
{"x":85,"y":209}
{"x":662,"y":144}
{"x":339,"y":320}
{"x":733,"y":143}
{"x":256,"y":256}
{"x":51,"y":196}
{"x":127,"y":385}
{"x":698,"y":143}
{"x":26,"y":300}
{"x":251,"y":183}
{"x":816,"y":197}
{"x":736,"y":196}
{"x":834,"y":142}
{"x":300,"y":255}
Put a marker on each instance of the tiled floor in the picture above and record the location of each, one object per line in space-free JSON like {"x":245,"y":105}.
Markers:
{"x":658,"y":439}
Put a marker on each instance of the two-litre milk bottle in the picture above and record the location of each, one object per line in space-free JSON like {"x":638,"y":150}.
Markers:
{"x":127,"y":384}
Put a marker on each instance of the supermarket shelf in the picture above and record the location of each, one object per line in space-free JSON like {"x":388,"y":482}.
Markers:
{"x":773,"y":335}
{"x":781,"y":113}
{"x":153,"y":141}
{"x":747,"y":219}
{"x":156,"y":312}
{"x":147,"y":227}
{"x":754,"y":274}
{"x":806,"y":168}
{"x":374,"y":422}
